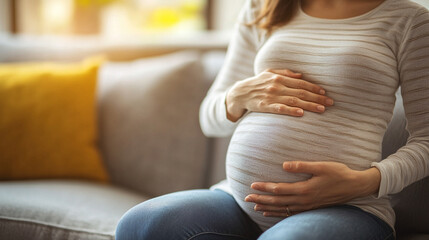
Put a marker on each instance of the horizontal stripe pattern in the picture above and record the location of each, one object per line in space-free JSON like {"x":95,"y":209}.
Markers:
{"x":360,"y":62}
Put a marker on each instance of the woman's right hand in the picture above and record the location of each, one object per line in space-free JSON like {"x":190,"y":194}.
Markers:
{"x":275,"y":91}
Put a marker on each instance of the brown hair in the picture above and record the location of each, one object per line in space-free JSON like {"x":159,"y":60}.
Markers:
{"x":275,"y":13}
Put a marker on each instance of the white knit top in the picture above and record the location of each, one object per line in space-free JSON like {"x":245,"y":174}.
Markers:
{"x":360,"y":62}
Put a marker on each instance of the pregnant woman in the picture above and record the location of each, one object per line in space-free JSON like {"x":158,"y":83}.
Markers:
{"x":316,"y":174}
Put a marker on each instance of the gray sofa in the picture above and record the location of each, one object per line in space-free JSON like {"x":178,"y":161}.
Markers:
{"x":151,"y":144}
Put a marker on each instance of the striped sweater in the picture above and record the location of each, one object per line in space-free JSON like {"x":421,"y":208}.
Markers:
{"x":360,"y":62}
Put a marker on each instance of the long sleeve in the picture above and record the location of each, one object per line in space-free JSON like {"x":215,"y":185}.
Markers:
{"x":411,"y":162}
{"x":238,"y":66}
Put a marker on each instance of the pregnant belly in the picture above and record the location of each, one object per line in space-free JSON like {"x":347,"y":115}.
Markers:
{"x":262,"y":142}
{"x":256,"y":153}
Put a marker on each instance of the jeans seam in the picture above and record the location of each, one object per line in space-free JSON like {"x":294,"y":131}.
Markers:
{"x":222,"y":234}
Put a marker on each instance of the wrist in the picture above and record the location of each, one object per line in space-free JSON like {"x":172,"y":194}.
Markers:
{"x":369,"y":181}
{"x":233,"y":111}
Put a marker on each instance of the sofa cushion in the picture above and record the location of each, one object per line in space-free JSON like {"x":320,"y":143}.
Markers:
{"x":49,"y":209}
{"x":148,"y":123}
{"x":48,"y":121}
{"x":412,"y":208}
{"x":413,"y":237}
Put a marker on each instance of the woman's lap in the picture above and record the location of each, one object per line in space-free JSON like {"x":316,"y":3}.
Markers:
{"x":205,"y":214}
{"x":195,"y":214}
{"x":333,"y":223}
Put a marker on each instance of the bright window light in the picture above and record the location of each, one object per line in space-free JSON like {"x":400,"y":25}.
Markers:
{"x":56,"y":15}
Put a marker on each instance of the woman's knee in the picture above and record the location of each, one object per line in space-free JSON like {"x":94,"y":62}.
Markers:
{"x":172,"y":214}
{"x":149,"y":220}
{"x":127,"y":225}
{"x":135,"y":222}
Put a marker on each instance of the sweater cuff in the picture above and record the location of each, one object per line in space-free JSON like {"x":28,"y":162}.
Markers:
{"x":221,"y":111}
{"x":384,"y":183}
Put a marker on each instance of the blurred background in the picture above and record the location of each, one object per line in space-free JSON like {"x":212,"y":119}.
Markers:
{"x":139,"y":23}
{"x":117,"y":18}
{"x":120,"y":19}
{"x":113,"y":18}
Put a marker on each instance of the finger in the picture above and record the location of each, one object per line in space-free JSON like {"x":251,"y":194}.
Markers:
{"x":293,"y":209}
{"x":307,"y":96}
{"x":285,"y":72}
{"x":300,"y":84}
{"x":302,"y":104}
{"x":267,"y":200}
{"x":314,"y":168}
{"x":292,"y":101}
{"x":283,"y":109}
{"x":281,"y":209}
{"x":312,"y":107}
{"x":276,"y":214}
{"x":285,"y":106}
{"x":270,"y":208}
{"x":279,"y":188}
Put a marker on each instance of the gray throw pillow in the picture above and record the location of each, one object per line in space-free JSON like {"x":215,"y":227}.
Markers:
{"x":148,"y":122}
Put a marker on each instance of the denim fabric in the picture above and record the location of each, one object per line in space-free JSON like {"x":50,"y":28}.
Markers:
{"x":333,"y":223}
{"x":211,"y":215}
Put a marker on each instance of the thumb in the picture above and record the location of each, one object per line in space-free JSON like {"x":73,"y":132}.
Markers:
{"x":313,"y":168}
{"x":287,"y":72}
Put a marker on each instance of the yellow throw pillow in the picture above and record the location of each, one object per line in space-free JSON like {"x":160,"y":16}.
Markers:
{"x":48,"y":121}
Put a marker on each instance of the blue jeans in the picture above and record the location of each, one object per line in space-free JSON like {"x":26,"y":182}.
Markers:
{"x":210,"y":215}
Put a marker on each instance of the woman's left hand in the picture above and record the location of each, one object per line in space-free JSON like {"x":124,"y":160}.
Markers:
{"x":331,"y":183}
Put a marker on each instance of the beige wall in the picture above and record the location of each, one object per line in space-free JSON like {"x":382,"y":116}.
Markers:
{"x":4,"y":16}
{"x":28,"y":14}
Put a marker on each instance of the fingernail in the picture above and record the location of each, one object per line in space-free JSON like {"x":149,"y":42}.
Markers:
{"x":300,"y":112}
{"x":248,"y":199}
{"x":320,"y":108}
{"x":322,"y":92}
{"x":287,"y":165}
{"x":256,"y":208}
{"x":330,"y":102}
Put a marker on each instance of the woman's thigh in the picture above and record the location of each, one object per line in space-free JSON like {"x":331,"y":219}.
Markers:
{"x":195,"y":214}
{"x":338,"y":222}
